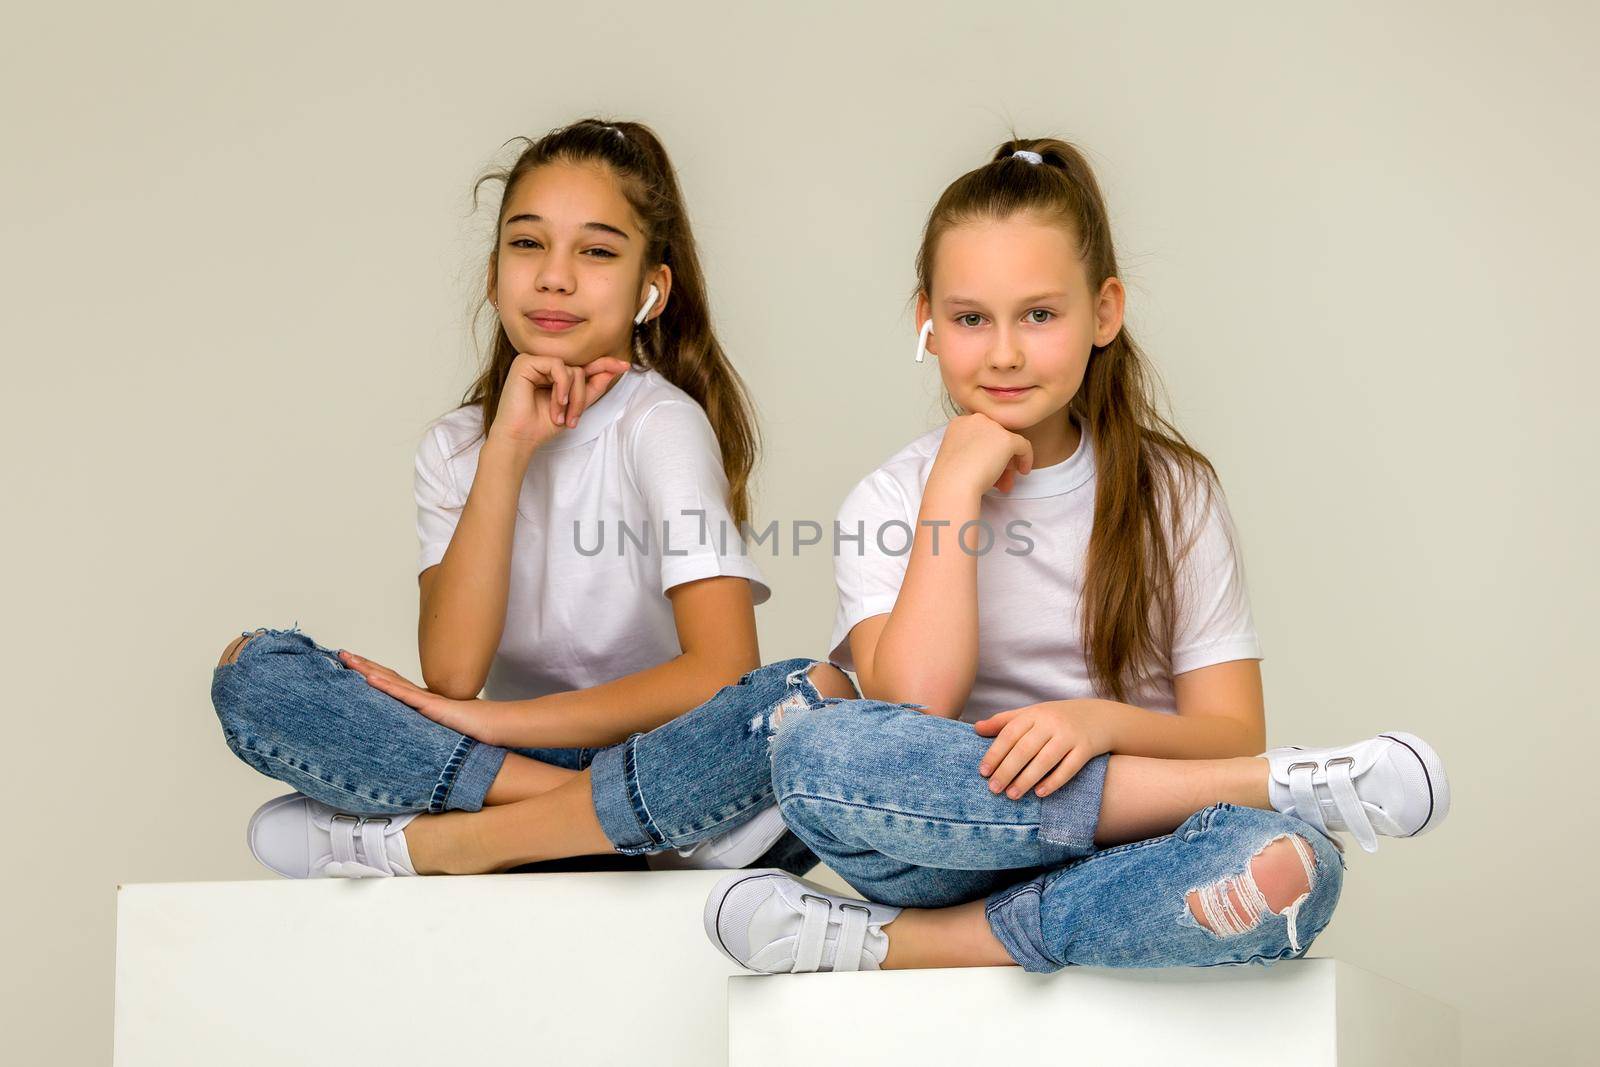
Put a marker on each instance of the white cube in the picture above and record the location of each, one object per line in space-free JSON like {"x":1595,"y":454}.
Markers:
{"x":1303,"y":1012}
{"x":549,"y":968}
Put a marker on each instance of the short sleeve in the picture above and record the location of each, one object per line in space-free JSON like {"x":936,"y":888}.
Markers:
{"x":874,"y":530}
{"x":1214,"y":622}
{"x":439,"y":504}
{"x":676,"y":467}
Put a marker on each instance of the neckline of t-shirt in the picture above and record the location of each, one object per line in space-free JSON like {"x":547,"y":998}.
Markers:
{"x":597,"y":416}
{"x":1056,"y":479}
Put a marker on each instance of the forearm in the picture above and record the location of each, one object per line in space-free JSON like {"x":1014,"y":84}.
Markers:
{"x":927,"y":652}
{"x":460,"y":626}
{"x":609,"y":713}
{"x":1138,"y":731}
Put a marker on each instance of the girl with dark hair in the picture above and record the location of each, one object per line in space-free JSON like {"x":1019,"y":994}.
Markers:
{"x":576,"y":567}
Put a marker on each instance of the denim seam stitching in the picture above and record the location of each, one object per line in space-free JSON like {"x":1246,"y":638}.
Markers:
{"x":739,"y":818}
{"x":907,"y":814}
{"x":249,"y":743}
{"x":1027,"y":887}
{"x":1126,"y":847}
{"x":630,"y":777}
{"x":1005,"y":896}
{"x":442,"y":789}
{"x":269,"y":683}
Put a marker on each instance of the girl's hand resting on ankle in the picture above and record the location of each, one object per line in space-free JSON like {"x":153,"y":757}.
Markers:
{"x":482,"y":720}
{"x":1043,"y":744}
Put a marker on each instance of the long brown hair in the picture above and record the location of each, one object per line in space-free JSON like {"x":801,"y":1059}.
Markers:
{"x":1146,"y":472}
{"x":679,"y":343}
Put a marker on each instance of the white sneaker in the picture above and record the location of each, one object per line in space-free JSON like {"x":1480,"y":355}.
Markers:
{"x":1392,"y":784}
{"x":739,"y":847}
{"x":769,"y":920}
{"x":298,"y":837}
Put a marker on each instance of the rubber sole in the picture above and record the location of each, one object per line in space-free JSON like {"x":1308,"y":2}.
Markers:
{"x":713,"y":907}
{"x":1433,"y":771}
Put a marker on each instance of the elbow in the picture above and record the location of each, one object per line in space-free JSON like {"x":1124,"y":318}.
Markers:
{"x":451,"y":670}
{"x":942,"y":697}
{"x":942,"y":687}
{"x":457,"y":686}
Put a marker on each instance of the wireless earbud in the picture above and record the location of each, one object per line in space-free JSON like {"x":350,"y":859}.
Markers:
{"x":650,"y":302}
{"x":922,"y":339}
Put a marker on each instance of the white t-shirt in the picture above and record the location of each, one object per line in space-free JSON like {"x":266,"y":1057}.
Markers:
{"x":606,"y":523}
{"x":1030,"y":579}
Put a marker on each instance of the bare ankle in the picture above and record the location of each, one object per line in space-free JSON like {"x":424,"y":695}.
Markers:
{"x":944,"y":937}
{"x":1231,"y":780}
{"x":431,"y":840}
{"x":1254,"y":775}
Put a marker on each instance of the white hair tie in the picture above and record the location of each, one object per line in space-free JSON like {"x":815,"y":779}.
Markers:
{"x":1031,"y":157}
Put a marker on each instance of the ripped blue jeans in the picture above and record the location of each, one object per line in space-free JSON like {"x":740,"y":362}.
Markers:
{"x":293,"y":711}
{"x":891,"y":799}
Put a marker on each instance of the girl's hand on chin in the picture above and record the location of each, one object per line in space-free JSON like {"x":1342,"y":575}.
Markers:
{"x":978,"y":452}
{"x":543,"y":396}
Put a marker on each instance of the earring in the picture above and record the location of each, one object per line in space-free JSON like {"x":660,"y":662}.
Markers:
{"x":922,"y":339}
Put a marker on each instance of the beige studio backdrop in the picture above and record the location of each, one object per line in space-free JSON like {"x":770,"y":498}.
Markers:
{"x":1357,"y":240}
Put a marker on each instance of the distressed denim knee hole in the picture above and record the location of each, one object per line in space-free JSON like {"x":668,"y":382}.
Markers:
{"x":806,"y":739}
{"x":831,"y":682}
{"x":232,"y":651}
{"x":1235,"y":905}
{"x":780,"y":721}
